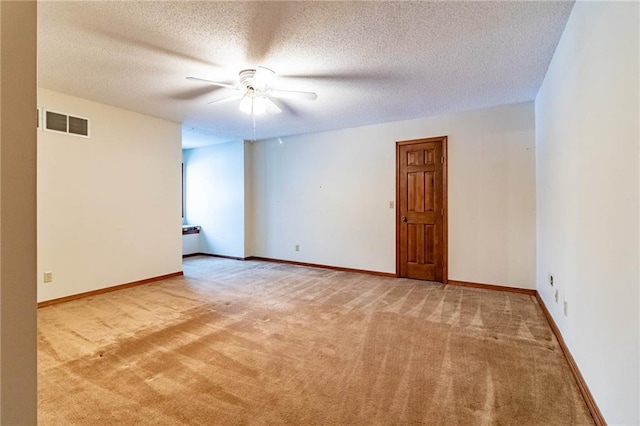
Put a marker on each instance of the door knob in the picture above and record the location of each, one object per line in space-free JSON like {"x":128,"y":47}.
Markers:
{"x":404,"y":218}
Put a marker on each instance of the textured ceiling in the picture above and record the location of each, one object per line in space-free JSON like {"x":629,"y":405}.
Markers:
{"x":369,"y":62}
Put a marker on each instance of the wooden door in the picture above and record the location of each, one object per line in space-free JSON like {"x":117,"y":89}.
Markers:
{"x":421,"y":209}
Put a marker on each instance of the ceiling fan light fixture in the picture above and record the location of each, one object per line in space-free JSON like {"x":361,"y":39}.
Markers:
{"x":246,"y":104}
{"x":259,"y":105}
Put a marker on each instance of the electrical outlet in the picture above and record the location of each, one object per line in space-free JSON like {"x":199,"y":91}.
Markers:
{"x":556,"y":296}
{"x":551,"y":280}
{"x":391,"y":204}
{"x":297,"y":247}
{"x":48,"y":277}
{"x":566,"y":308}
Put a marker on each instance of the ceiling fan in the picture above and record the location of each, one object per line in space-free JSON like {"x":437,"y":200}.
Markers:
{"x":255,"y":92}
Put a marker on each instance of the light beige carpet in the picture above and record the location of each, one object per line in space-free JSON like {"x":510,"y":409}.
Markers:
{"x":235,"y":342}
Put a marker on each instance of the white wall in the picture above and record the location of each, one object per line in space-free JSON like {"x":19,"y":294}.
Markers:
{"x":215,"y":197}
{"x":190,"y":244}
{"x":330,"y":192}
{"x":108,"y":206}
{"x":587,"y":199}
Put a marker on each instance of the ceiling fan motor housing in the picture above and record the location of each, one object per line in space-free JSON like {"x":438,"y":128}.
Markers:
{"x":246,"y":78}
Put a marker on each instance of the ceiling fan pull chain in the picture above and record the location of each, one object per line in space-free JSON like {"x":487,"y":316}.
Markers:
{"x":254,"y":123}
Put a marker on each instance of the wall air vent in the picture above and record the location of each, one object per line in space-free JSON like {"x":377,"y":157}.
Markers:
{"x":63,"y":123}
{"x":78,"y":126}
{"x":56,"y":122}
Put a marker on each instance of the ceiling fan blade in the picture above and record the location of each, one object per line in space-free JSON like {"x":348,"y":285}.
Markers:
{"x":215,"y":83}
{"x":271,"y":107}
{"x":292,"y":94}
{"x":119,"y":37}
{"x":227,"y":99}
{"x":194,"y":93}
{"x":262,"y":78}
{"x":265,"y":24}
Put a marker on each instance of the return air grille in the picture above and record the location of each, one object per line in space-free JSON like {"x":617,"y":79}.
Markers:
{"x":57,"y":122}
{"x":64,"y":123}
{"x":78,"y":126}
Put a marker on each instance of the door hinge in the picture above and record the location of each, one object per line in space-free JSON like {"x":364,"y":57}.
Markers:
{"x":442,"y":160}
{"x":441,"y":212}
